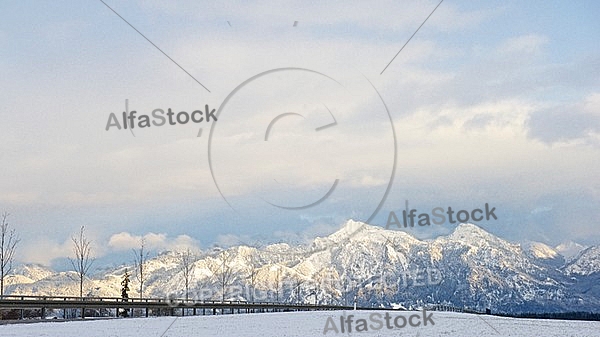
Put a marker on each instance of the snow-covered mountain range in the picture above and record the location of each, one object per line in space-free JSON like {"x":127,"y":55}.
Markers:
{"x":468,"y":268}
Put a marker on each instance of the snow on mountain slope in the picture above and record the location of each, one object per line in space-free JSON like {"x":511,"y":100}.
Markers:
{"x":65,"y":284}
{"x":486,"y":271}
{"x":544,"y":254}
{"x":470,"y":267}
{"x":586,"y":263}
{"x":570,"y":250}
{"x":541,"y":251}
{"x":27,"y":273}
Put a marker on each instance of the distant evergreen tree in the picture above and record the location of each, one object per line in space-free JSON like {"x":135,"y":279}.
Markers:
{"x":124,"y":290}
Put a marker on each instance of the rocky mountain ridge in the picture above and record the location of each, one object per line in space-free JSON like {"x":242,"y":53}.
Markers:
{"x":467,"y":268}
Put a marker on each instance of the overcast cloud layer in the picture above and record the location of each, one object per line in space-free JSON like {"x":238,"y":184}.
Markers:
{"x":495,"y":102}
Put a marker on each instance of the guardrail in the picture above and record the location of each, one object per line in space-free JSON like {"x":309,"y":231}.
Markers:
{"x":160,"y":306}
{"x":450,"y":308}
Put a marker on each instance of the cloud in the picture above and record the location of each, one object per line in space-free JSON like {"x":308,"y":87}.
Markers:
{"x":387,"y":14}
{"x":569,"y":123}
{"x":541,"y":209}
{"x":470,"y":108}
{"x":43,"y":251}
{"x":307,"y":235}
{"x":368,"y":181}
{"x":153,"y":241}
{"x":479,"y":121}
{"x":228,"y":240}
{"x":523,"y":45}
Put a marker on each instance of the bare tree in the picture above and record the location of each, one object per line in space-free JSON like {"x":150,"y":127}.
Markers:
{"x":253,"y":266}
{"x":140,"y":256}
{"x":223,"y":271}
{"x":277,"y":283}
{"x":384,"y":287}
{"x":187,"y":260}
{"x":83,"y":260}
{"x":348,"y":285}
{"x":8,"y":243}
{"x":297,"y":287}
{"x":320,"y":279}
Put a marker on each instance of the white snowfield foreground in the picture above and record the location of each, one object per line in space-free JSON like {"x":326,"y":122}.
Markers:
{"x":305,"y":324}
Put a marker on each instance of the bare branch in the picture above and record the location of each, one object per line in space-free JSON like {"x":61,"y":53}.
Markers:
{"x":224,"y":272}
{"x":140,"y":257}
{"x":187,"y":260}
{"x":277,"y":281}
{"x":254,"y":268}
{"x":83,"y":257}
{"x":8,"y":244}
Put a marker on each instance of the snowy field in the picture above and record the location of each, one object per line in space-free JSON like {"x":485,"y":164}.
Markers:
{"x":303,"y":324}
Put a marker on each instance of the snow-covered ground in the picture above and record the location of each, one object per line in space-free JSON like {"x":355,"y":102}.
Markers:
{"x":303,"y":324}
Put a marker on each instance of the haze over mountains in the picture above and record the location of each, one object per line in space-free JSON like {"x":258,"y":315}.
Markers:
{"x":468,"y":268}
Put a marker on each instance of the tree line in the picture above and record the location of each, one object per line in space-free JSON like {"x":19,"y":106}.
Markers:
{"x":224,"y":272}
{"x":83,"y":258}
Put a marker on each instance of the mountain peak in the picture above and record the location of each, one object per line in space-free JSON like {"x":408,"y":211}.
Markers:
{"x":352,"y":225}
{"x":484,"y":265}
{"x":348,"y":229}
{"x":570,"y":250}
{"x":360,"y":231}
{"x":540,"y":250}
{"x":469,"y":230}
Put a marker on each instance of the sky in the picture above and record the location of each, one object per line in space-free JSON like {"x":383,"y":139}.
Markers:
{"x":493,"y":102}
